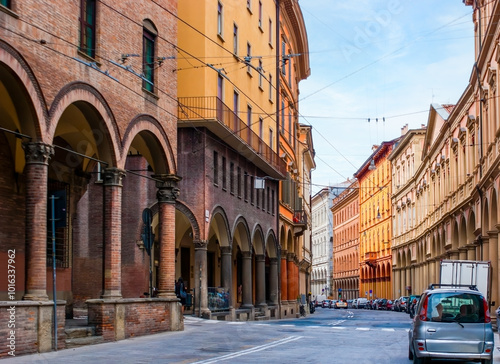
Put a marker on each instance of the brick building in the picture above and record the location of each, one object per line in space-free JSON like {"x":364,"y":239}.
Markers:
{"x":87,"y":114}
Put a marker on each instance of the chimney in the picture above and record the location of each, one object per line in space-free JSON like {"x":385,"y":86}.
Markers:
{"x":375,"y":147}
{"x":404,"y":130}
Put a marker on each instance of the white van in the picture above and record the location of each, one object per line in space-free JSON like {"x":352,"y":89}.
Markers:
{"x":359,"y":303}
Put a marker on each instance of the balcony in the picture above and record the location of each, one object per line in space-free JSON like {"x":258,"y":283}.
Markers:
{"x":211,"y":113}
{"x":299,"y":222}
{"x":371,"y":259}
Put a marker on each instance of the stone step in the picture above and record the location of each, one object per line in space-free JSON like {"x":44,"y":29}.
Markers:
{"x":79,"y":331}
{"x":83,"y":341}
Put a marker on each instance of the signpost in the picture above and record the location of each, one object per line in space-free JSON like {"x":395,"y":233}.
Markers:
{"x":148,"y":239}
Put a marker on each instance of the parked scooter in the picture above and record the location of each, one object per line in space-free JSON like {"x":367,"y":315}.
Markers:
{"x":312,"y":307}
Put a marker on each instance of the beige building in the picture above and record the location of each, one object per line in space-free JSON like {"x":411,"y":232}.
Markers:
{"x":457,"y":184}
{"x":405,"y":160}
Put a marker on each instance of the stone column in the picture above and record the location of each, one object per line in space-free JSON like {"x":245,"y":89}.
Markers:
{"x":284,"y":276}
{"x":260,"y":280}
{"x":273,"y":281}
{"x":200,"y":277}
{"x":227,"y":272}
{"x":167,"y":194}
{"x":291,"y":277}
{"x":112,"y":184}
{"x":247,"y":279}
{"x":37,"y":157}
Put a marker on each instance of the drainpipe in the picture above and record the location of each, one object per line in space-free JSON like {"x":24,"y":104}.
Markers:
{"x":278,"y":243}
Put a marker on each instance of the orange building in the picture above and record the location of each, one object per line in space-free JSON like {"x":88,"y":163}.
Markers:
{"x":375,"y":225}
{"x":345,"y":211}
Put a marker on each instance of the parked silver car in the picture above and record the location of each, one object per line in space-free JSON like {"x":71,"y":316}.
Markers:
{"x":451,"y":323}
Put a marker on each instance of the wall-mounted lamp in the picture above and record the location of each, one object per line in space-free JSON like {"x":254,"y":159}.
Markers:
{"x":378,"y":216}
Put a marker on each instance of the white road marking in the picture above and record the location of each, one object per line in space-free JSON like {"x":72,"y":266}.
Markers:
{"x":250,"y":351}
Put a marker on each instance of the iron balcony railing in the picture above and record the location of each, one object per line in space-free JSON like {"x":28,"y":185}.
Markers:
{"x":212,"y":109}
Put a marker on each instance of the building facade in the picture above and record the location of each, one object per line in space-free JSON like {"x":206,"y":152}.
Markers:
{"x":405,"y":159}
{"x":322,"y":243}
{"x":457,"y":184}
{"x":296,"y":150}
{"x":86,"y":119}
{"x":375,"y":227}
{"x":346,"y":267}
{"x":238,"y":239}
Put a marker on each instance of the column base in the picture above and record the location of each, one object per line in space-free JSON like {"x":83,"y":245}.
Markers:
{"x":111,"y":295}
{"x":36,"y":295}
{"x":167,"y":294}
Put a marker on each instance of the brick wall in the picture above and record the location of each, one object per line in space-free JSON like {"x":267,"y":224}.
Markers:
{"x":116,"y":320}
{"x":32,"y":323}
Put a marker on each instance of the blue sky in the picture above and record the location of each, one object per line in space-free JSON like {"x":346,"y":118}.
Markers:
{"x":378,"y":59}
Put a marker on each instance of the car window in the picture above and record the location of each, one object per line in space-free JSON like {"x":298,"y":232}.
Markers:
{"x":454,"y":307}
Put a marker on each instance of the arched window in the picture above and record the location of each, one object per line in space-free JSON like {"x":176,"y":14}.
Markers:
{"x":149,"y":35}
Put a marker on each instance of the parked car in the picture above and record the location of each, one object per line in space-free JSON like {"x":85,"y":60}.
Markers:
{"x":380,"y":304}
{"x":403,"y":300}
{"x":341,"y":304}
{"x":389,"y":306}
{"x":451,"y":323}
{"x":412,"y":305}
{"x":332,"y":303}
{"x":325,"y":304}
{"x":395,"y":306}
{"x":359,"y":303}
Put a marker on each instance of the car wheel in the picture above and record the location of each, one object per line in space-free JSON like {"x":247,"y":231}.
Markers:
{"x":410,"y":354}
{"x":486,"y":361}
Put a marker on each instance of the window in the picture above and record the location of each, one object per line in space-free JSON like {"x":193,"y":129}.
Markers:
{"x":224,"y":177}
{"x":220,"y":18}
{"x":268,"y":201}
{"x":252,"y":189}
{"x":216,"y":168}
{"x":235,"y":39}
{"x":245,"y":186}
{"x":283,"y":57}
{"x":87,"y":26}
{"x":290,"y":123}
{"x":231,"y":177}
{"x":272,"y":202}
{"x":270,"y":32}
{"x":260,"y":74}
{"x":236,"y":102}
{"x":5,"y":3}
{"x":249,"y":5}
{"x":249,"y":57}
{"x":260,"y":14}
{"x":249,"y":123}
{"x":271,"y":138}
{"x":148,"y":55}
{"x":270,"y":87}
{"x":239,"y":182}
{"x":282,"y":117}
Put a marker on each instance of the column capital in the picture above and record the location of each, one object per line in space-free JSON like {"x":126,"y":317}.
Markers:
{"x":260,"y":257}
{"x":37,"y":153}
{"x":200,"y":244}
{"x":273,"y":260}
{"x":167,"y":187}
{"x":246,"y":255}
{"x":113,"y":176}
{"x":290,"y":257}
{"x":225,"y":250}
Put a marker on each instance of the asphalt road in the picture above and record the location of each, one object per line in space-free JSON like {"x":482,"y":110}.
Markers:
{"x":327,"y":336}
